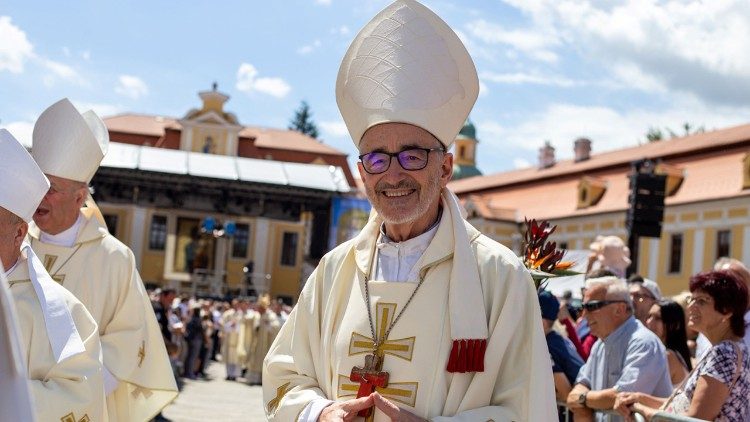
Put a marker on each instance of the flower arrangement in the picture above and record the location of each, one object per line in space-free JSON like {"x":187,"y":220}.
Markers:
{"x":541,"y":256}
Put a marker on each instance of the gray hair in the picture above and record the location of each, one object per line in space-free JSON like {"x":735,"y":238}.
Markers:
{"x":617,"y":289}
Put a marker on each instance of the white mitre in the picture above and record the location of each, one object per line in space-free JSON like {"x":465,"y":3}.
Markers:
{"x":68,"y":144}
{"x":406,"y":65}
{"x":24,"y":184}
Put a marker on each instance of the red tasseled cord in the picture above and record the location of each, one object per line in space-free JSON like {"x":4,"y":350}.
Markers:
{"x":453,"y":360}
{"x":467,"y":356}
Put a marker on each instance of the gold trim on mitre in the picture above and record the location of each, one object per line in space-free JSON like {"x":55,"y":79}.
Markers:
{"x":69,"y":144}
{"x":407,"y":65}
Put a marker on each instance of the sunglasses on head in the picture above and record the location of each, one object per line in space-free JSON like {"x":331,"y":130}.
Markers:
{"x":593,"y":305}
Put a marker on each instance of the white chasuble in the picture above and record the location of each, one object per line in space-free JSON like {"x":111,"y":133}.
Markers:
{"x":328,"y":333}
{"x":73,"y":388}
{"x":100,"y":271}
{"x":232,"y":350}
{"x":265,"y":328}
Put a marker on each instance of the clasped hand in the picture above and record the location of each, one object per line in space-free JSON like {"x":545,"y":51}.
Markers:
{"x":347,"y":410}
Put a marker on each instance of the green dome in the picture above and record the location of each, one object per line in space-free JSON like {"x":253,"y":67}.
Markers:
{"x":468,"y":131}
{"x":464,"y":171}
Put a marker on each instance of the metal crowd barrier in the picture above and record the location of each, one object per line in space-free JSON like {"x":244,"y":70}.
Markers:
{"x":658,"y":417}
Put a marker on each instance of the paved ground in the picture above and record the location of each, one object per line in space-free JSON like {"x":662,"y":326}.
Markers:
{"x":216,"y":400}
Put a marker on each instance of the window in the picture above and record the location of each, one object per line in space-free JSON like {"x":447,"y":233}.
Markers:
{"x":462,"y":152}
{"x":675,"y":254}
{"x":723,"y":242}
{"x":289,"y":249}
{"x":111,"y":221}
{"x":157,"y":236}
{"x":241,"y":240}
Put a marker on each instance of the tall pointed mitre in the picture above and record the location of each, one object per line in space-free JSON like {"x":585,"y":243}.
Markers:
{"x":407,"y":65}
{"x":23,"y":183}
{"x":69,"y":144}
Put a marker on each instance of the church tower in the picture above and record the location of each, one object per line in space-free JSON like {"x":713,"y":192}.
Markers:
{"x":210,"y":129}
{"x":464,"y":155}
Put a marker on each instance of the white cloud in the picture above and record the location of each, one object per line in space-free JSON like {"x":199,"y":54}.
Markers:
{"x":22,"y":131}
{"x":248,"y":82}
{"x":309,"y":48}
{"x":131,"y":86}
{"x":536,"y":43}
{"x":334,"y":129}
{"x":518,"y":78}
{"x":57,"y":70}
{"x":521,"y":163}
{"x":606,"y":127}
{"x":341,"y":30}
{"x":702,"y":48}
{"x":323,"y":2}
{"x":15,"y":48}
{"x":101,"y":109}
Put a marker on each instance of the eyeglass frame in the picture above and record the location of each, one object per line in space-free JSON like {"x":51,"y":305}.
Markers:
{"x":396,"y":154}
{"x":598,"y":304}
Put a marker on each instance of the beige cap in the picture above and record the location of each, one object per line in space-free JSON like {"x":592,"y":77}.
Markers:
{"x":406,"y":65}
{"x":24,"y":183}
{"x":69,"y":144}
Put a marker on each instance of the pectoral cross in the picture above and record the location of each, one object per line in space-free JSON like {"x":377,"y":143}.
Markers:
{"x":369,"y":377}
{"x":141,"y":353}
{"x":71,"y":418}
{"x":49,"y":262}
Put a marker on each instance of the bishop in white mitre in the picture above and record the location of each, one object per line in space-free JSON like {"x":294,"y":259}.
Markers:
{"x":58,"y":349}
{"x":81,"y":255}
{"x":420,"y":316}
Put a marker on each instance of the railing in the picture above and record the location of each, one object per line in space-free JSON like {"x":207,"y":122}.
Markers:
{"x":658,"y":416}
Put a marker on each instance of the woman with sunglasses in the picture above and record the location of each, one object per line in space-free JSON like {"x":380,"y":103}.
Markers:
{"x":667,"y":320}
{"x":719,"y":386}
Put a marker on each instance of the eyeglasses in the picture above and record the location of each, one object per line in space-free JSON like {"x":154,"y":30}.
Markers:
{"x":698,"y":301}
{"x":410,"y":159}
{"x":595,"y":305}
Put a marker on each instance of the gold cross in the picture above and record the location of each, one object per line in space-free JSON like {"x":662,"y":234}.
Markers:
{"x":70,"y":418}
{"x":402,"y":392}
{"x":280,"y":393}
{"x":401,"y":348}
{"x":49,"y":262}
{"x":141,"y":353}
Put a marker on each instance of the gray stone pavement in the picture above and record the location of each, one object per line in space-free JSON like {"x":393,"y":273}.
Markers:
{"x":216,"y":400}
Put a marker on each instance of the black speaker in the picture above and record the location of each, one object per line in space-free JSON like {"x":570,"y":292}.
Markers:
{"x":646,"y":212}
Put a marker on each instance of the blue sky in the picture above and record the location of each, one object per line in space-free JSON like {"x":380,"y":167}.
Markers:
{"x":549,"y":69}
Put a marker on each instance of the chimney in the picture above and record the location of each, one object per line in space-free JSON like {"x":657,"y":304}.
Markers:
{"x":582,"y":149}
{"x":546,"y":156}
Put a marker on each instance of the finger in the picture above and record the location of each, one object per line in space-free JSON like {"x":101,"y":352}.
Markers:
{"x":385,"y":406}
{"x":356,"y":405}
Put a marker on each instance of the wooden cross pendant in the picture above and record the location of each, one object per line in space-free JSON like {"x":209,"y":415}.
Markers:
{"x":369,"y":377}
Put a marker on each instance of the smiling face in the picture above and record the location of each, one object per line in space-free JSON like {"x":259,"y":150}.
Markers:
{"x":407,"y":200}
{"x":702,"y":314}
{"x":59,"y":209}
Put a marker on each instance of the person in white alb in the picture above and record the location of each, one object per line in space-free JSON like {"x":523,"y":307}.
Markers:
{"x":420,"y":316}
{"x":81,"y":255}
{"x":57,"y":338}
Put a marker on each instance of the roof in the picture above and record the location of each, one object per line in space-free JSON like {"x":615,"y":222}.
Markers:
{"x":712,"y":165}
{"x":462,"y":171}
{"x":653,"y":150}
{"x":149,"y":125}
{"x":313,"y":176}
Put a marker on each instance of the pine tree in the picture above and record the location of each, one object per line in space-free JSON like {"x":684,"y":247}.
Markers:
{"x":302,"y":121}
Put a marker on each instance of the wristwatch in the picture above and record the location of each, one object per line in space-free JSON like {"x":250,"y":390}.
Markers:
{"x":582,"y":399}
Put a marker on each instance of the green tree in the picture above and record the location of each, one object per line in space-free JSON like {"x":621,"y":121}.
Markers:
{"x":655,"y":134}
{"x":302,"y":121}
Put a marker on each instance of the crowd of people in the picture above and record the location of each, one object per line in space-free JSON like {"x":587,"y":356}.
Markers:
{"x":628,"y":349}
{"x":237,"y":332}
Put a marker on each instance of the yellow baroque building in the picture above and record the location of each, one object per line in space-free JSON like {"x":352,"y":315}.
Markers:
{"x":267,"y":193}
{"x":707,"y":207}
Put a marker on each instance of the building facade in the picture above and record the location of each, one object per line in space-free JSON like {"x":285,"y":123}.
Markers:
{"x":707,"y":204}
{"x":214,"y":207}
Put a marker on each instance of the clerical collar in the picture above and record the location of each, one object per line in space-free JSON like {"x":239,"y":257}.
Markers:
{"x":66,"y":238}
{"x":396,"y":261}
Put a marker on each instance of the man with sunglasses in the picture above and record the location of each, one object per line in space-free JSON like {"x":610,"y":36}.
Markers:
{"x":420,"y":316}
{"x":626,"y":357}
